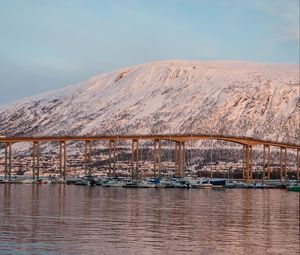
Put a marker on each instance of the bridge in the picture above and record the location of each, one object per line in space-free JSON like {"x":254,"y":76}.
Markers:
{"x":179,"y":140}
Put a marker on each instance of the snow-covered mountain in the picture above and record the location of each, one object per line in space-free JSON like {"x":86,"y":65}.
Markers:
{"x":235,"y":98}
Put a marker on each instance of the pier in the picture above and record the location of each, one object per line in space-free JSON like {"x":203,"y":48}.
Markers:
{"x":180,"y":140}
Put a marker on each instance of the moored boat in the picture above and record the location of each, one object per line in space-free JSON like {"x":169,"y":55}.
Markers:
{"x":293,"y":188}
{"x":202,"y":184}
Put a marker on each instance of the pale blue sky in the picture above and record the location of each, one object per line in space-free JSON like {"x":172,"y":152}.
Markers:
{"x":47,"y":44}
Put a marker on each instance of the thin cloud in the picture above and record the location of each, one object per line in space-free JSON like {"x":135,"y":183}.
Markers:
{"x":287,"y":12}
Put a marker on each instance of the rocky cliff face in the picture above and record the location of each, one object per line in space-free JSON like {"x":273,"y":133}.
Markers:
{"x":234,"y":98}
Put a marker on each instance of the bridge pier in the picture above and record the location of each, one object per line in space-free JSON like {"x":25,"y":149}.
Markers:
{"x":62,"y":159}
{"x":244,"y":161}
{"x":280,"y":158}
{"x":269,"y":170}
{"x":154,"y":158}
{"x":176,"y":160}
{"x":248,"y":157}
{"x":135,"y":158}
{"x":65,"y":159}
{"x":297,"y":164}
{"x":88,"y":157}
{"x":251,"y":166}
{"x":179,"y":159}
{"x":264,"y":164}
{"x":7,"y":160}
{"x":157,"y":158}
{"x":35,"y":160}
{"x":112,"y":149}
{"x":285,"y":163}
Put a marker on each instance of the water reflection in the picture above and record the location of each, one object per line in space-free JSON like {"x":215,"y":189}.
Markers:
{"x":61,"y":219}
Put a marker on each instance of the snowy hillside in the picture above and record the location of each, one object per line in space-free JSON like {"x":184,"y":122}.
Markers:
{"x":235,"y":98}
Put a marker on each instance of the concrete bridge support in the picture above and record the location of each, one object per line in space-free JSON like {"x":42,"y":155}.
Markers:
{"x":135,"y":159}
{"x":7,"y":160}
{"x":268,"y":162}
{"x":179,"y":159}
{"x":280,"y":158}
{"x":88,"y":157}
{"x":62,"y":159}
{"x":244,"y":162}
{"x":112,"y":150}
{"x":36,"y":160}
{"x":297,"y":164}
{"x":285,"y":163}
{"x":157,"y":158}
{"x":247,"y":151}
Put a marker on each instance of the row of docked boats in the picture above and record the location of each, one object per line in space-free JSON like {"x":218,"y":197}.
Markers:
{"x":198,"y":183}
{"x":30,"y":180}
{"x":201,"y":183}
{"x":186,"y":182}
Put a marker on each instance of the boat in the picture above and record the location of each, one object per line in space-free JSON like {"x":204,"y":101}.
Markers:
{"x":181,"y":183}
{"x":87,"y":180}
{"x":3,"y":181}
{"x":293,"y":188}
{"x":261,"y":186}
{"x":201,"y":184}
{"x":218,"y":183}
{"x":28,"y":181}
{"x":146,"y":184}
{"x":130,"y":184}
{"x":112,"y":182}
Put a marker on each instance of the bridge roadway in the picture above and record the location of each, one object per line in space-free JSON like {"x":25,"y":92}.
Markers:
{"x":178,"y":139}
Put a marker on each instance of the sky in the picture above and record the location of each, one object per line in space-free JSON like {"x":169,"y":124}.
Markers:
{"x":48,"y":44}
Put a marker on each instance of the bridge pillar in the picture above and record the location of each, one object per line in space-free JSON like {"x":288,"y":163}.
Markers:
{"x":179,"y":159}
{"x":135,"y":158}
{"x":35,"y":160}
{"x":155,"y":158}
{"x":65,"y":159}
{"x":9,"y":160}
{"x":159,"y":159}
{"x":183,"y":159}
{"x":251,"y":172}
{"x":248,"y":163}
{"x":5,"y":161}
{"x":176,"y":160}
{"x":88,"y":156}
{"x":244,"y":153}
{"x":112,"y":147}
{"x":280,"y":163}
{"x":285,"y":163}
{"x":268,"y":163}
{"x":62,"y":159}
{"x":264,"y":164}
{"x":297,"y":164}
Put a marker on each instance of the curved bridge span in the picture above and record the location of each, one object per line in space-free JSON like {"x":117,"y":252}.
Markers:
{"x":179,"y":140}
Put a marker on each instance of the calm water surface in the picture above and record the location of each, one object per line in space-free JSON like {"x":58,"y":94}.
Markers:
{"x":62,"y":219}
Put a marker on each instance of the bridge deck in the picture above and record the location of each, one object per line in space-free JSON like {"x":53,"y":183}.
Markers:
{"x":167,"y":137}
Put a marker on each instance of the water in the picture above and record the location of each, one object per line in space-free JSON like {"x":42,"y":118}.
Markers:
{"x":62,"y":219}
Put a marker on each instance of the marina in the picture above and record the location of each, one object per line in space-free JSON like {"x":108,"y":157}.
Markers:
{"x":128,"y":182}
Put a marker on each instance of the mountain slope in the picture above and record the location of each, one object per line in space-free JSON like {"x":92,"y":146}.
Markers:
{"x":235,"y":98}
